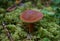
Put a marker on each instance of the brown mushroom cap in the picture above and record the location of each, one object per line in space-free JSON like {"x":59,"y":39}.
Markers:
{"x":30,"y":16}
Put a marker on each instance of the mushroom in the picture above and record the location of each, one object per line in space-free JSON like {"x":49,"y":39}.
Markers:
{"x":30,"y":17}
{"x":18,"y":1}
{"x":9,"y":9}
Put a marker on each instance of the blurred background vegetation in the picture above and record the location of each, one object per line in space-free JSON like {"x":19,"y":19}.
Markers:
{"x":48,"y":29}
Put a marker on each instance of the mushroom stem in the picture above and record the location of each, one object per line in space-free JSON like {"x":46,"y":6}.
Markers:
{"x":30,"y":30}
{"x":30,"y":27}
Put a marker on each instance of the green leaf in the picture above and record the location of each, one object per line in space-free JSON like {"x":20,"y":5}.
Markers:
{"x":46,"y":39}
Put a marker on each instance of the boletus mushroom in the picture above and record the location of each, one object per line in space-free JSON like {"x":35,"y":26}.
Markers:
{"x":30,"y":17}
